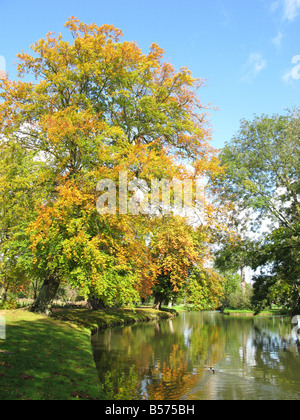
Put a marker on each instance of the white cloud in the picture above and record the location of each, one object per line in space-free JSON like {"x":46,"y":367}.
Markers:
{"x":226,"y":19}
{"x":274,"y":6}
{"x":2,"y":63}
{"x":277,"y":40}
{"x":291,"y":9}
{"x":294,"y":72}
{"x":2,"y":67}
{"x":255,"y":64}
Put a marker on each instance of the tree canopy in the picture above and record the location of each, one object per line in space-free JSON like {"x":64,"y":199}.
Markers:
{"x":81,"y":112}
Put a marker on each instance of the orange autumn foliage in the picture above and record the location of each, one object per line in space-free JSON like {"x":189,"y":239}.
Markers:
{"x":99,"y":106}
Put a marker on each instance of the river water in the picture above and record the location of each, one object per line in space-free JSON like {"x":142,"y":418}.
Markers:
{"x":254,"y":358}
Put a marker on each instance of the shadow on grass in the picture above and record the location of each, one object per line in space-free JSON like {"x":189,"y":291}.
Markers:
{"x":47,"y":360}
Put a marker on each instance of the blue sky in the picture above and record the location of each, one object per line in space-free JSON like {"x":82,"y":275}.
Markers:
{"x":247,"y":50}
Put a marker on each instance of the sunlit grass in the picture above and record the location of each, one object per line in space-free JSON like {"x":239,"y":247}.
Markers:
{"x":43,"y":359}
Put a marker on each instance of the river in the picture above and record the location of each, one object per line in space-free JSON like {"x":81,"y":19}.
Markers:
{"x":254,"y":358}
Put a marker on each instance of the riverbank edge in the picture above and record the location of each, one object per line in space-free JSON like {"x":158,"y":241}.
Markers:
{"x":51,"y":358}
{"x":102,"y":319}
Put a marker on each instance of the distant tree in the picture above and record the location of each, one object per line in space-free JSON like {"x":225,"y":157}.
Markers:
{"x":230,"y":285}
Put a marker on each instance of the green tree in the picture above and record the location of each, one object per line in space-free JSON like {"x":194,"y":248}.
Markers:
{"x":231,"y":285}
{"x":262,"y":167}
{"x":262,"y":173}
{"x":21,"y":191}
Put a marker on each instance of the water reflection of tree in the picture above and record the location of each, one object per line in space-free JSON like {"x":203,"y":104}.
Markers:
{"x":193,"y":347}
{"x":265,"y":354}
{"x":172,"y":359}
{"x":120,"y":379}
{"x":276,"y":354}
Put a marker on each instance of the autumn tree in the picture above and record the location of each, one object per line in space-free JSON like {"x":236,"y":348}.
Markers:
{"x":183,"y":260}
{"x":175,"y":251}
{"x":99,"y":106}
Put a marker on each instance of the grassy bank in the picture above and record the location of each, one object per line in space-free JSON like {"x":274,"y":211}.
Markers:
{"x":241,"y":312}
{"x":46,"y":358}
{"x":95,"y":320}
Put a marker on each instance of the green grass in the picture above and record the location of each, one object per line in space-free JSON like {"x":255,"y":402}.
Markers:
{"x":177,"y":308}
{"x":249,"y":312}
{"x":233,"y":311}
{"x":46,"y":358}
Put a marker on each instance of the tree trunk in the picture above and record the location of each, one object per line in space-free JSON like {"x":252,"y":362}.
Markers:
{"x":35,"y":288}
{"x":3,"y":294}
{"x":157,"y":302}
{"x":47,"y":294}
{"x":243,"y":280}
{"x":95,"y":303}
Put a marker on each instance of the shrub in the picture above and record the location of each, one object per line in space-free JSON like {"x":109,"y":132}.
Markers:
{"x":9,"y":304}
{"x":238,"y":300}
